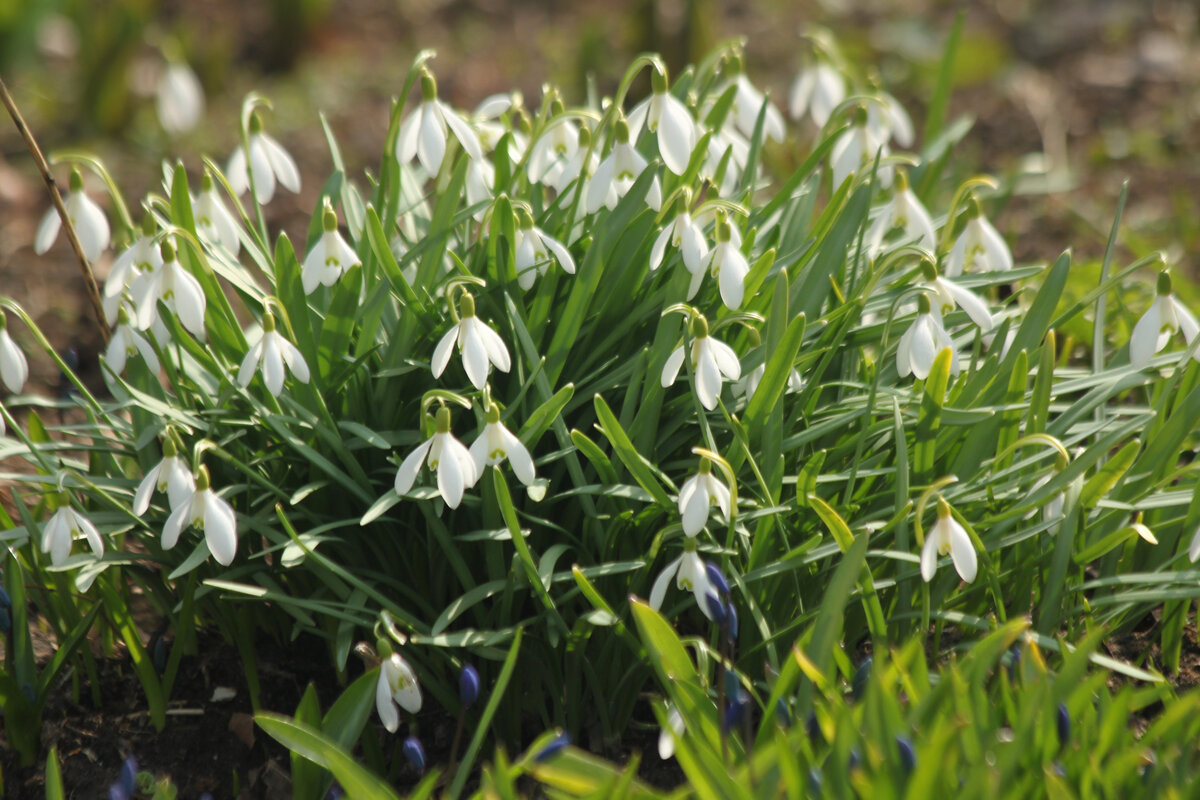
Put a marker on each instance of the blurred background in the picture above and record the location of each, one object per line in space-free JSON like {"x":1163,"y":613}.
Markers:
{"x":1068,"y":98}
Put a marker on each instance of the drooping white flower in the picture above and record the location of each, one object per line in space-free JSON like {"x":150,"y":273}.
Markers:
{"x":949,"y":295}
{"x":534,"y":249}
{"x":725,"y":140}
{"x":817,"y":91}
{"x":14,"y":369}
{"x":171,"y":475}
{"x":209,"y":512}
{"x":979,"y":247}
{"x":888,"y":119}
{"x":265,"y":161}
{"x":922,"y":342}
{"x":329,"y":257}
{"x":948,"y":536}
{"x":683,"y":234}
{"x":214,"y":222}
{"x":178,"y":98}
{"x":88,"y":220}
{"x":579,"y":166}
{"x":424,"y":133}
{"x":447,"y":456}
{"x":906,"y":212}
{"x":616,"y":174}
{"x":176,"y":287}
{"x":663,"y":114}
{"x":481,"y":176}
{"x":60,"y":531}
{"x":553,"y":150}
{"x":856,"y":150}
{"x":748,"y":103}
{"x":712,"y":362}
{"x":485,"y":119}
{"x":666,"y":738}
{"x":728,"y":266}
{"x":125,"y":343}
{"x":139,"y":258}
{"x":272,"y":351}
{"x":1165,"y":317}
{"x":690,"y":575}
{"x":480,"y":346}
{"x":749,"y":382}
{"x":698,"y":495}
{"x":496,"y":443}
{"x":397,"y":685}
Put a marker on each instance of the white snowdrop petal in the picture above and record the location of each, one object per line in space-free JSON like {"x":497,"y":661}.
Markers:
{"x":671,"y":367}
{"x":474,"y":355}
{"x":726,"y":359}
{"x":450,"y":480}
{"x":676,"y":135}
{"x":282,"y":164}
{"x":561,"y":253}
{"x":441,"y":353}
{"x":462,"y":131}
{"x":220,"y":529}
{"x":929,"y":556}
{"x":431,"y":145}
{"x":260,"y":170}
{"x":659,"y":590}
{"x":272,"y":364}
{"x":384,"y":705}
{"x":695,"y":513}
{"x":406,"y":475}
{"x":407,"y":137}
{"x":47,"y":231}
{"x":962,"y":552}
{"x":497,"y":351}
{"x":1143,"y":342}
{"x":250,"y":363}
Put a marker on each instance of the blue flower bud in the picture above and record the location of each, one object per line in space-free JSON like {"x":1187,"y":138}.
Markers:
{"x":814,"y":730}
{"x":861,"y":676}
{"x":732,"y":622}
{"x":1014,"y":661}
{"x":855,"y":759}
{"x":129,"y":771}
{"x":716,"y":608}
{"x":717,"y":578}
{"x":1064,"y":724}
{"x":556,"y":746}
{"x":908,"y":756}
{"x":468,"y":685}
{"x":414,"y":752}
{"x":117,"y":792}
{"x":781,"y":714}
{"x":336,"y":792}
{"x":736,"y":710}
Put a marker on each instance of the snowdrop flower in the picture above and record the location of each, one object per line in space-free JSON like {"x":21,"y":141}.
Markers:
{"x":125,"y":343}
{"x":683,"y":234}
{"x":139,"y":258}
{"x":950,"y":295}
{"x":496,"y":443}
{"x":711,"y":360}
{"x":727,"y":139}
{"x":455,"y":468}
{"x":553,"y":150}
{"x":666,"y":737}
{"x":424,"y":133}
{"x":947,"y":536}
{"x":481,"y":176}
{"x":170,"y":475}
{"x":697,"y":496}
{"x":179,"y":98}
{"x":748,"y":103}
{"x":581,"y":166}
{"x":617,"y":172}
{"x":329,"y":257}
{"x":888,"y":119}
{"x":689,"y":574}
{"x":663,"y":113}
{"x":490,"y":130}
{"x":728,"y":266}
{"x":14,"y":369}
{"x":1165,"y":316}
{"x":534,"y":249}
{"x":89,"y":222}
{"x":817,"y":91}
{"x":856,"y":148}
{"x":210,"y":513}
{"x":480,"y":346}
{"x":263,"y":162}
{"x":397,"y":686}
{"x":176,"y":287}
{"x":1053,"y":508}
{"x":1143,"y":530}
{"x":1194,"y":547}
{"x":272,"y":351}
{"x":922,"y":342}
{"x":214,"y":222}
{"x":904,"y":211}
{"x":59,"y":532}
{"x":979,"y":247}
{"x":748,"y":385}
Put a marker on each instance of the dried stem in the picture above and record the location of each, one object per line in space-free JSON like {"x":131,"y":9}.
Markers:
{"x":89,"y":277}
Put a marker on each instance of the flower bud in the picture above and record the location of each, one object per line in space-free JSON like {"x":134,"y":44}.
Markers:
{"x":861,"y":676}
{"x":468,"y":684}
{"x":1063,"y":722}
{"x":716,"y":608}
{"x":908,"y":756}
{"x":717,"y":578}
{"x":414,"y":753}
{"x":556,"y":746}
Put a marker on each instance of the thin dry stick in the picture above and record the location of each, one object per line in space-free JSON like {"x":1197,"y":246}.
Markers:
{"x":89,"y":277}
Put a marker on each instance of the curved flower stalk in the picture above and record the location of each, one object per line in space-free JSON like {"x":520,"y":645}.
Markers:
{"x":948,"y":536}
{"x":698,"y":495}
{"x":60,"y":531}
{"x":616,"y":174}
{"x":456,"y":469}
{"x":178,"y":98}
{"x":171,"y":475}
{"x":209,"y":512}
{"x":817,"y":91}
{"x":950,"y":295}
{"x":329,"y":257}
{"x":690,"y":575}
{"x":396,"y":688}
{"x":1165,"y":317}
{"x":480,"y":346}
{"x":712,"y":361}
{"x":272,"y":352}
{"x":554,"y":149}
{"x":683,"y":234}
{"x":534,"y":249}
{"x":141,"y":257}
{"x":906,"y":212}
{"x":922,"y":342}
{"x":663,"y":114}
{"x":496,"y":443}
{"x":176,"y":287}
{"x":263,"y":162}
{"x":979,"y":247}
{"x":126,"y":343}
{"x":14,"y":369}
{"x":91,"y":226}
{"x":425,"y":132}
{"x":856,"y":148}
{"x":215,"y":224}
{"x":728,"y":266}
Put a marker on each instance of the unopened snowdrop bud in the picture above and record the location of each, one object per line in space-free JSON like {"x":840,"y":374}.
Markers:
{"x":906,"y":212}
{"x":91,"y":226}
{"x":908,"y":756}
{"x":715,"y":608}
{"x":14,"y":369}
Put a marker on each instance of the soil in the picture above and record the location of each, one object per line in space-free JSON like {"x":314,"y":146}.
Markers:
{"x":1094,"y":92}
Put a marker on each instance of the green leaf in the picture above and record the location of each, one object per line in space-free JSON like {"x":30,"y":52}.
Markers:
{"x":310,"y":743}
{"x":638,"y":467}
{"x":1099,"y":485}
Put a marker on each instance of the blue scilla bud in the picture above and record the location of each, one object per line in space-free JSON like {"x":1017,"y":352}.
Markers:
{"x":1014,"y":661}
{"x":1063,"y":720}
{"x":414,"y":753}
{"x":861,"y":676}
{"x":717,"y":578}
{"x":855,"y":759}
{"x":736,"y":710}
{"x":813,"y":728}
{"x":908,"y":756}
{"x":716,"y":608}
{"x":781,"y":713}
{"x":814,"y":781}
{"x":556,"y":746}
{"x":732,"y":622}
{"x":336,"y":792}
{"x":117,"y":792}
{"x":129,"y":771}
{"x":468,"y":685}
